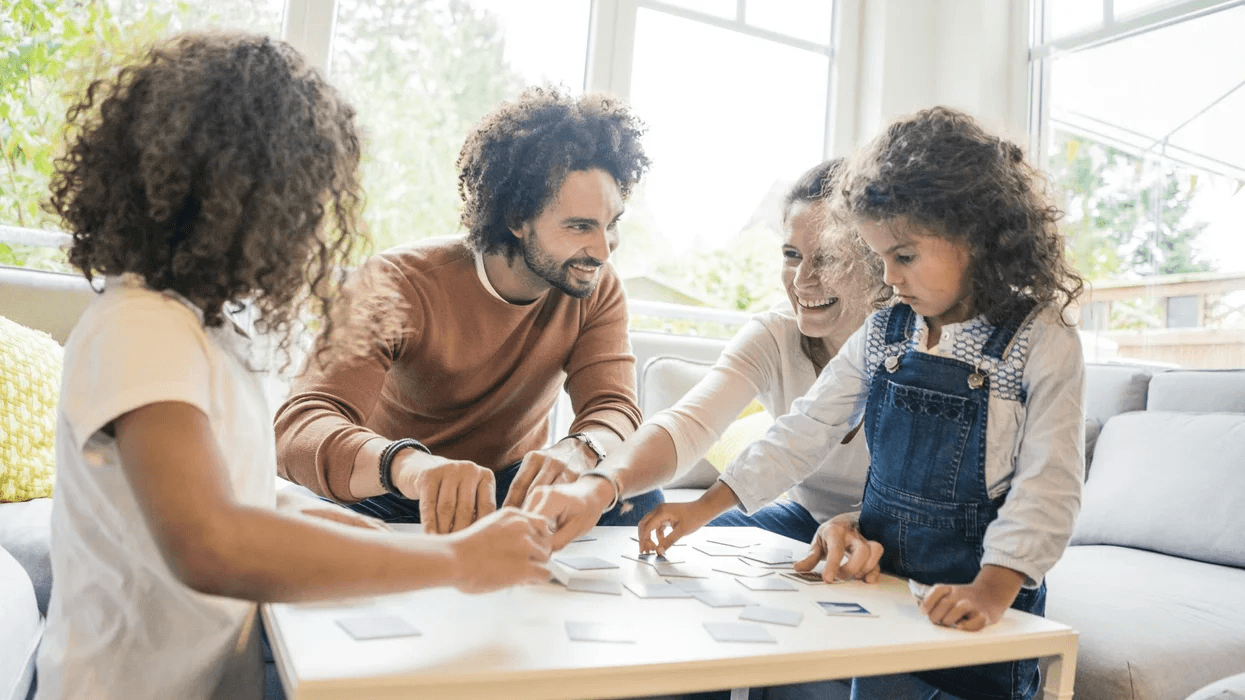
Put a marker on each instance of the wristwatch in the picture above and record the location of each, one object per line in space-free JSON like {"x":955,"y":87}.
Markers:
{"x":590,"y":442}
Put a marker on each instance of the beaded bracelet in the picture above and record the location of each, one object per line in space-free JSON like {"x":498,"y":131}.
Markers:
{"x":386,"y":461}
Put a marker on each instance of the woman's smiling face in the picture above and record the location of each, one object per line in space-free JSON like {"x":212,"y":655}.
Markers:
{"x":819,"y":309}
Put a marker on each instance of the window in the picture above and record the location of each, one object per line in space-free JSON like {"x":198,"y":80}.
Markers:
{"x":422,"y":72}
{"x":736,"y":95}
{"x":51,"y":51}
{"x":1138,"y":124}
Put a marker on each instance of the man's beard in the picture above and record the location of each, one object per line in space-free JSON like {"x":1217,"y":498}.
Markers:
{"x":548,"y":269}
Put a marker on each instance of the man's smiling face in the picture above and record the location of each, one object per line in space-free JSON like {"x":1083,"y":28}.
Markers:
{"x":566,"y":244}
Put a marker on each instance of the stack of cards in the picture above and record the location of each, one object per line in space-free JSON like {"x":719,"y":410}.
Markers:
{"x":584,"y":584}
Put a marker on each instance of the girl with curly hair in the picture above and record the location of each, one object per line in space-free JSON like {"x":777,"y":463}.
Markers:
{"x":969,"y":388}
{"x":217,"y":171}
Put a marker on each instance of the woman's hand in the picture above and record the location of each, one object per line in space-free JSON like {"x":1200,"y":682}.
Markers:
{"x":847,"y":553}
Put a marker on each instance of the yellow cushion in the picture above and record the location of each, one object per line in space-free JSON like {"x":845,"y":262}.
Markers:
{"x":30,"y":377}
{"x":737,"y":436}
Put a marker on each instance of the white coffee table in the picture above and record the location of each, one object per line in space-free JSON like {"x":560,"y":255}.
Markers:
{"x":513,"y":644}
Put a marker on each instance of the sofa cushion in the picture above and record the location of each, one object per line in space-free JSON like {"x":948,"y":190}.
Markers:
{"x":1202,"y":390}
{"x":1152,"y":626}
{"x":49,"y":301}
{"x":1111,"y":389}
{"x":26,"y":532}
{"x":1231,"y":688}
{"x":30,"y":375}
{"x":21,"y":631}
{"x":663,"y":381}
{"x":1170,"y":483}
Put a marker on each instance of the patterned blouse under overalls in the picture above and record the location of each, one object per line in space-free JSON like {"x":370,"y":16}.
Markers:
{"x":926,"y":498}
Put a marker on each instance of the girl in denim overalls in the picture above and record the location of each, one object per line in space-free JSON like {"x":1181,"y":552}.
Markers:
{"x":969,"y":387}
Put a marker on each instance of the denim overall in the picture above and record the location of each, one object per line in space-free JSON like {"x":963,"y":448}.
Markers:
{"x":926,"y":500}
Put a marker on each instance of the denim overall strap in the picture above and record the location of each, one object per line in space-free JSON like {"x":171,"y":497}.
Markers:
{"x":996,"y":347}
{"x":926,"y":499}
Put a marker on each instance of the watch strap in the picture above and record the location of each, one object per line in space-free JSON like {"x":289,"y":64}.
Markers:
{"x":590,"y":442}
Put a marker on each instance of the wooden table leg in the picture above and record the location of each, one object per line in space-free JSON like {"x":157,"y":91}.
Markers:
{"x":1060,"y":675}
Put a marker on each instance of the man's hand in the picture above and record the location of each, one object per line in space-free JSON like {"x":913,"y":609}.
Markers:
{"x":504,"y":548}
{"x":836,"y":537}
{"x":560,"y":464}
{"x":452,"y":493}
{"x":572,"y":508}
{"x":975,"y":605}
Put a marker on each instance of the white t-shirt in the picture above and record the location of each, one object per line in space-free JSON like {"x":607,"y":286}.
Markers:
{"x":764,"y":362}
{"x":120,"y":623}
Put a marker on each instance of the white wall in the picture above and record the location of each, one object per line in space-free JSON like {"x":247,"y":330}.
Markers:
{"x":898,"y":56}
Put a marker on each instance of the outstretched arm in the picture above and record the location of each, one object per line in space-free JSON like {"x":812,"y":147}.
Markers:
{"x":216,"y":545}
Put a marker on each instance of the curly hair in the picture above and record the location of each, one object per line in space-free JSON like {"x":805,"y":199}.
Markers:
{"x":842,"y":260}
{"x":516,"y":158}
{"x":207,"y":167}
{"x":939,"y":169}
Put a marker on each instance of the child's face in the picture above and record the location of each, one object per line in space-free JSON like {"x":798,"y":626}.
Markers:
{"x":928,"y":272}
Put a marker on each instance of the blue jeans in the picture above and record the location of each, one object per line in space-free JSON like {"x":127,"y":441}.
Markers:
{"x":785,"y":518}
{"x":393,"y":509}
{"x":901,"y":686}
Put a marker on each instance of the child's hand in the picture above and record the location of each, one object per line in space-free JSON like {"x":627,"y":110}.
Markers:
{"x":668,"y":522}
{"x":973,"y":606}
{"x":837,"y":537}
{"x":505,"y":548}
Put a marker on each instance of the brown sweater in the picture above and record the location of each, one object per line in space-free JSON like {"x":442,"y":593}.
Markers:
{"x":471,"y":376}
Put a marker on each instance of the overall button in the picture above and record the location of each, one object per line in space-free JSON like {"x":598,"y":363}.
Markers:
{"x":892,"y":363}
{"x":976,"y":380}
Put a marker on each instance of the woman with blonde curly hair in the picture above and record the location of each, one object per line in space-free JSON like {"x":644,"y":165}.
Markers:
{"x":217,"y":171}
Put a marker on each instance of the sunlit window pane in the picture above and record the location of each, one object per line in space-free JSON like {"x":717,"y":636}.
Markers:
{"x":1126,"y":8}
{"x":51,"y":53}
{"x":1064,"y":17}
{"x":802,"y":19}
{"x":1149,"y":167}
{"x":733,"y":121}
{"x":727,"y":9}
{"x":422,"y":72}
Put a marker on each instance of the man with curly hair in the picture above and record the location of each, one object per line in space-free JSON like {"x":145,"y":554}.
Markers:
{"x":449,"y":419}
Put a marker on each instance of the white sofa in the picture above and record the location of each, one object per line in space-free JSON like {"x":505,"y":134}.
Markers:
{"x":1154,"y":579}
